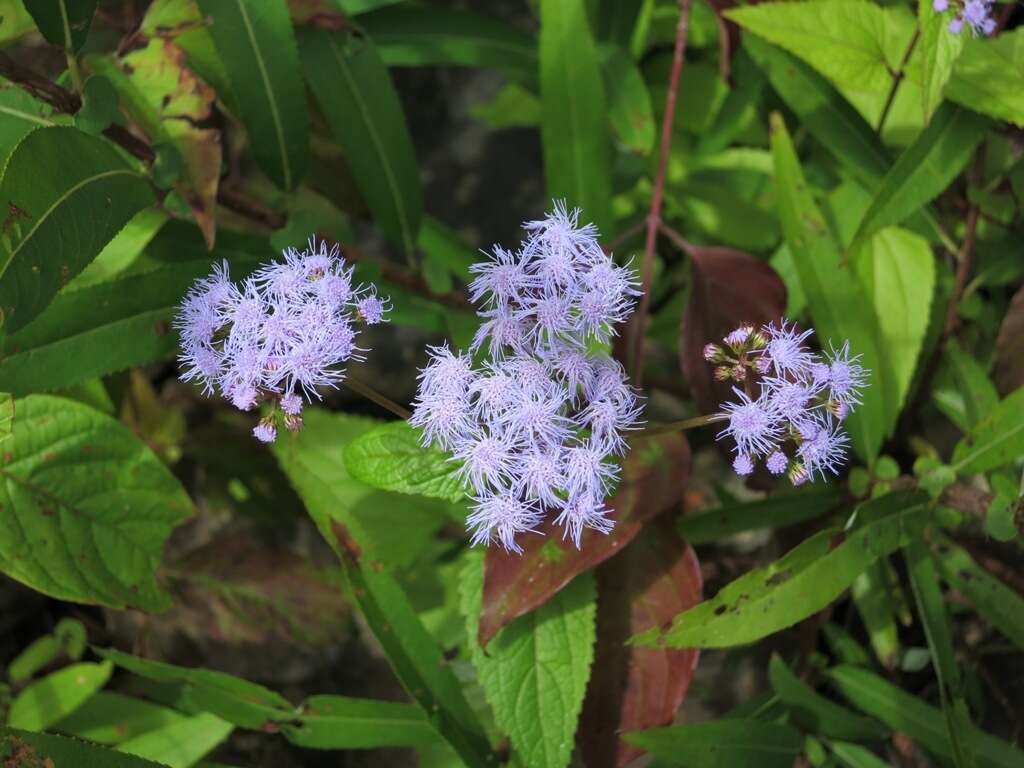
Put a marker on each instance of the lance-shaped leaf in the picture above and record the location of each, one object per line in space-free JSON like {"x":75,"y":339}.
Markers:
{"x":66,"y":195}
{"x":734,"y":743}
{"x":257,"y":48}
{"x":654,"y":478}
{"x":728,"y":288}
{"x":167,"y":100}
{"x":62,"y":22}
{"x":110,"y":718}
{"x":577,"y":150}
{"x":45,"y":748}
{"x":340,"y":722}
{"x":633,"y":688}
{"x":103,"y":328}
{"x":355,"y":93}
{"x":47,"y":700}
{"x":629,"y":101}
{"x":86,"y":506}
{"x":924,"y":170}
{"x":20,"y":114}
{"x":789,"y":590}
{"x":937,"y":52}
{"x":876,"y":696}
{"x":405,"y":36}
{"x":180,"y":744}
{"x":838,"y":306}
{"x":348,"y":515}
{"x":231,"y":698}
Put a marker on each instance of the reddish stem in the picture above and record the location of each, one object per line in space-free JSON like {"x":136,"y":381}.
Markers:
{"x":639,"y":327}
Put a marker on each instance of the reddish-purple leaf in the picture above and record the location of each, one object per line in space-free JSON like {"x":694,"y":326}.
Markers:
{"x":654,"y":478}
{"x":634,"y":688}
{"x":1009,"y":368}
{"x":729,"y":288}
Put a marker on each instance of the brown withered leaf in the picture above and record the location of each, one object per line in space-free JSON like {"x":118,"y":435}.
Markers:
{"x":729,"y":288}
{"x":632,"y":688}
{"x":1009,"y":367}
{"x":654,"y":478}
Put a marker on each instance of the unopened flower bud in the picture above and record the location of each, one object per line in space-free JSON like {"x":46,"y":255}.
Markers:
{"x":292,"y":422}
{"x":713,"y":353}
{"x":798,"y":474}
{"x":739,"y":372}
{"x":722,"y":373}
{"x":266,"y":430}
{"x":739,"y":337}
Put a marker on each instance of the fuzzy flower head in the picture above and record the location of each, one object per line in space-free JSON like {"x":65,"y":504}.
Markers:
{"x":793,"y":402}
{"x":538,"y":424}
{"x":975,"y":14}
{"x":277,"y":336}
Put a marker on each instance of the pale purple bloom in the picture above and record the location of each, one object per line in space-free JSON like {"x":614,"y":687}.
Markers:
{"x":754,"y":425}
{"x":940,"y":6}
{"x":742,"y":465}
{"x":803,"y":403}
{"x":785,"y":349}
{"x":275,"y":337}
{"x":977,"y":14}
{"x":371,"y":309}
{"x":265,"y":432}
{"x":777,"y":463}
{"x":537,"y":425}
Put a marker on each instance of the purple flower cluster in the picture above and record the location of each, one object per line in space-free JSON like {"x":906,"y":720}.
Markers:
{"x":536,"y":427}
{"x":276,"y":336}
{"x":791,"y":415}
{"x":976,"y":14}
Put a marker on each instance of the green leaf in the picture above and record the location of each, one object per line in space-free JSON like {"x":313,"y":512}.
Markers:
{"x":103,"y":328}
{"x":964,"y":391}
{"x":937,"y":52}
{"x":19,"y":115}
{"x":932,"y":610}
{"x":921,"y":722}
{"x":257,"y":48}
{"x":340,"y":722}
{"x":342,"y":509}
{"x":839,"y":307}
{"x":355,"y":93}
{"x":41,"y":750}
{"x":6,"y":415}
{"x":63,"y":22}
{"x":856,"y":756}
{"x":60,"y":693}
{"x":897,"y":271}
{"x":872,"y":594}
{"x":180,"y":744}
{"x":987,"y":74}
{"x":722,"y":744}
{"x":406,"y":36}
{"x":629,"y":101}
{"x":1001,"y":606}
{"x":68,"y":194}
{"x":996,"y":440}
{"x":87,"y":506}
{"x":512,"y":106}
{"x":576,"y":147}
{"x":389,"y":527}
{"x":99,"y":105}
{"x":816,"y":713}
{"x":845,"y":40}
{"x":231,"y":698}
{"x":391,"y":458}
{"x":925,"y":169}
{"x":110,"y":718}
{"x":779,"y":595}
{"x":535,"y":670}
{"x":823,"y":112}
{"x":773,"y":512}
{"x":68,"y":638}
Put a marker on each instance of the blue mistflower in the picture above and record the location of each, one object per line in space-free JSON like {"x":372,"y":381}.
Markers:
{"x":537,"y":425}
{"x":976,"y":14}
{"x":277,"y":336}
{"x":800,"y":407}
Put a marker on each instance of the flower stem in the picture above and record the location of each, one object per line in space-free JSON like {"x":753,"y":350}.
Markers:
{"x":376,"y":397}
{"x":679,"y":426}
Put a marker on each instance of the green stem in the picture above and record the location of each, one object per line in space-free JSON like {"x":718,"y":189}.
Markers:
{"x":679,"y":426}
{"x":76,"y":75}
{"x":376,"y":397}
